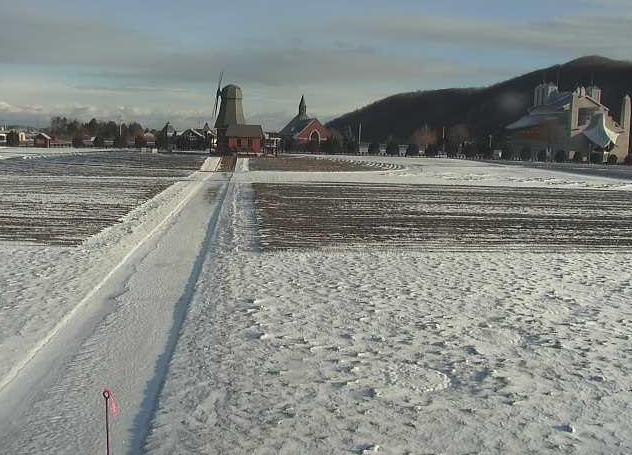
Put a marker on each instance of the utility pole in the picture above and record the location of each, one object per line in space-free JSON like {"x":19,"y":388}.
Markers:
{"x":167,"y":136}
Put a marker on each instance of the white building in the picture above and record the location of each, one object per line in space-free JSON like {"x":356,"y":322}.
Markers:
{"x":561,"y":125}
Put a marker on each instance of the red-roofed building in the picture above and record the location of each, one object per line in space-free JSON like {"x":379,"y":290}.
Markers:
{"x":245,"y":139}
{"x":42,"y":140}
{"x":303,"y":130}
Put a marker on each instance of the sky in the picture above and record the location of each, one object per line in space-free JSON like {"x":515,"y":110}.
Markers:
{"x":156,"y":60}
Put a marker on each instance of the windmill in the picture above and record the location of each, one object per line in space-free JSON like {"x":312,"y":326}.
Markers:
{"x":233,"y":135}
{"x":231,"y":111}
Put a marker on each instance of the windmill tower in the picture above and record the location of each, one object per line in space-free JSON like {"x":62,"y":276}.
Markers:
{"x":231,"y":111}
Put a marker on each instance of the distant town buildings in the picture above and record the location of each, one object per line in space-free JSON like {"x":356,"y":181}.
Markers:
{"x":560,"y":126}
{"x":196,"y":138}
{"x":272,"y":143}
{"x":13,"y":137}
{"x":563,"y":126}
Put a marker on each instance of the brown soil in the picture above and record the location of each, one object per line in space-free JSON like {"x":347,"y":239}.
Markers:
{"x":441,"y":217}
{"x":49,"y":200}
{"x":315,"y":164}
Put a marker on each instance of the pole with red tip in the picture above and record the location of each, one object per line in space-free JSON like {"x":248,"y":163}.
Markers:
{"x":106,"y":395}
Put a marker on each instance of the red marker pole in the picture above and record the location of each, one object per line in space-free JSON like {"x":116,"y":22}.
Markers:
{"x":106,"y":395}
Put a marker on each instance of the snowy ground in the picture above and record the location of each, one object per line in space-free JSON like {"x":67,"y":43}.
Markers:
{"x":217,"y":340}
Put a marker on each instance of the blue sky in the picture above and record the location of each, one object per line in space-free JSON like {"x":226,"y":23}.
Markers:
{"x":156,"y":60}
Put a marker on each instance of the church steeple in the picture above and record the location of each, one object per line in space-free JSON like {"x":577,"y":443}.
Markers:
{"x":302,"y":108}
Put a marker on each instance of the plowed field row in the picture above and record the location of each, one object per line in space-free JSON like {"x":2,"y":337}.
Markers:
{"x":62,"y":200}
{"x":441,"y":217}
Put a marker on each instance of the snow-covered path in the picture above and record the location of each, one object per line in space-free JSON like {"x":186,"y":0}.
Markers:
{"x":120,"y":334}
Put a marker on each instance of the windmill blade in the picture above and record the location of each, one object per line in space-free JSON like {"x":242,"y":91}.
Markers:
{"x":218,"y":93}
{"x":215,"y":107}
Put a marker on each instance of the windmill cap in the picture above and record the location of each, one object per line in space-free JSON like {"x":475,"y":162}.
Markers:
{"x":231,"y":91}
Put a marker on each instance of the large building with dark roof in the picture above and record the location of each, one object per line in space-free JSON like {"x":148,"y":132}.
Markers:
{"x":303,"y":130}
{"x":574,"y":125}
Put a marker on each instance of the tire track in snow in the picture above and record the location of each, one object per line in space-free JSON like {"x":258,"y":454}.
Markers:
{"x":142,"y":422}
{"x":83,"y":303}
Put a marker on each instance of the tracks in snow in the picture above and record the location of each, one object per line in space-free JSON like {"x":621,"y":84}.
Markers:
{"x":148,"y":409}
{"x":105,"y":336}
{"x":129,"y":257}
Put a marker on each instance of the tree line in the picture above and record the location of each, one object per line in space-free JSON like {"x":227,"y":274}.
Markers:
{"x":101,"y":130}
{"x":453,"y":141}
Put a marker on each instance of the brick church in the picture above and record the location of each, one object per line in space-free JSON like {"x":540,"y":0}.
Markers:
{"x":303,"y":132}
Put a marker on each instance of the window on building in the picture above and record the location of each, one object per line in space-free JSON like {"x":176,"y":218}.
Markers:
{"x":238,"y":142}
{"x":584,"y":116}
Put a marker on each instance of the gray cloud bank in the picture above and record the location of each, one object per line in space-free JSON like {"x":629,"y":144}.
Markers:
{"x":115,"y":62}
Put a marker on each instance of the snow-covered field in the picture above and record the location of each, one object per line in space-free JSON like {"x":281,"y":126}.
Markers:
{"x":221,"y":332}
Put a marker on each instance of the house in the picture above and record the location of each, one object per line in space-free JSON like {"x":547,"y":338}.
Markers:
{"x":303,"y":130}
{"x":245,"y":139}
{"x":195,"y":139}
{"x":145,"y":140}
{"x":42,"y":140}
{"x":564,"y":126}
{"x":61,"y":142}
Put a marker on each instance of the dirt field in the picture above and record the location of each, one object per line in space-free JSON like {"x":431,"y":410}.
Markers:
{"x":440,"y":217}
{"x":313,"y":164}
{"x":103,"y":164}
{"x":64,"y":200}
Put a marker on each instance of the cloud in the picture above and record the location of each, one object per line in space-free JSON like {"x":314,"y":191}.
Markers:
{"x":39,"y":36}
{"x":285,"y":66}
{"x":572,"y":35}
{"x":120,"y":59}
{"x":32,"y":114}
{"x":131,"y":89}
{"x":40,"y":116}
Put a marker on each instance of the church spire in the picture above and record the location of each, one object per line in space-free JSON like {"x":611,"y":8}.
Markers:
{"x":302,"y":107}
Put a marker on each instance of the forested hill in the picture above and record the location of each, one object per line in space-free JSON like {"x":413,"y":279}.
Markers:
{"x":484,"y":110}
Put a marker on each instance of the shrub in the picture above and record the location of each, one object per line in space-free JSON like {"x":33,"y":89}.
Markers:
{"x":412,"y":150}
{"x":374,"y":148}
{"x":525,"y":153}
{"x":392,"y":149}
